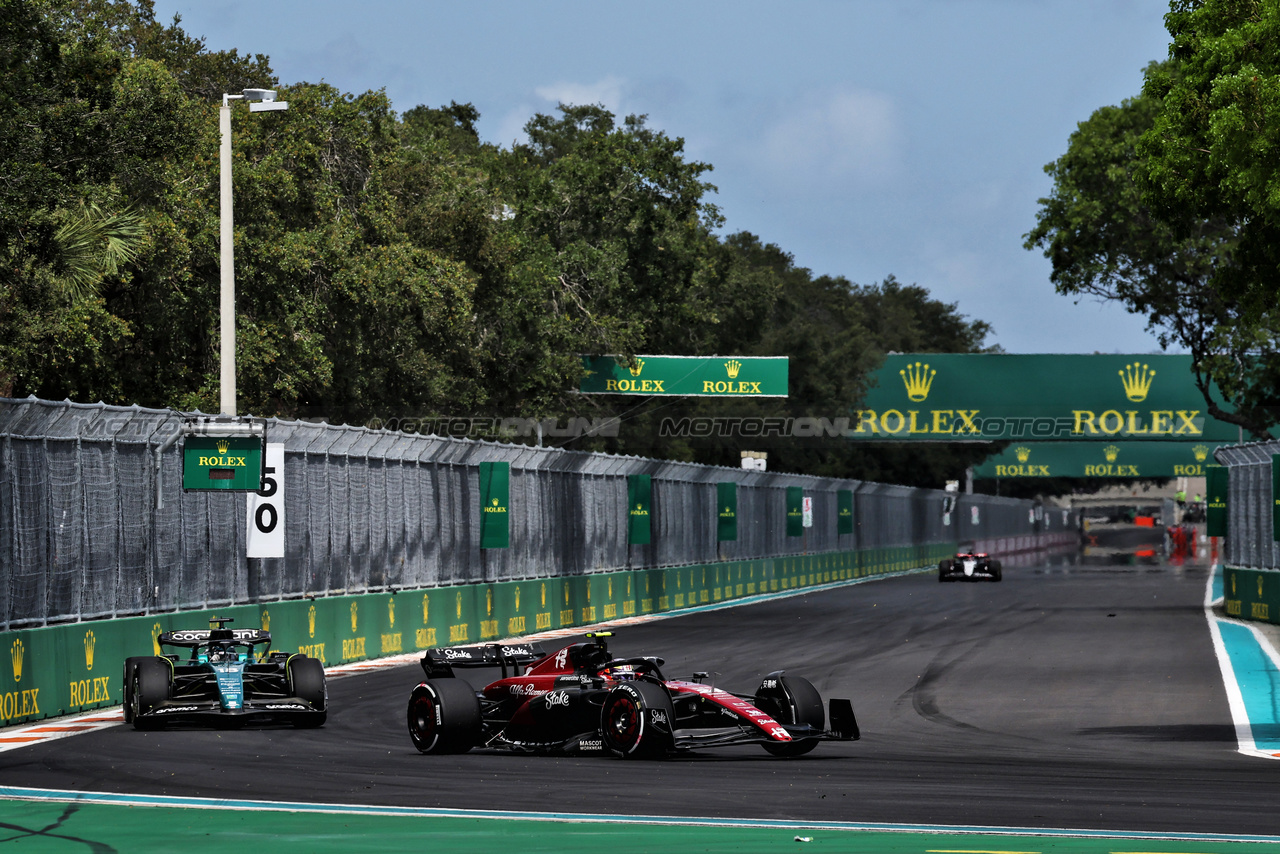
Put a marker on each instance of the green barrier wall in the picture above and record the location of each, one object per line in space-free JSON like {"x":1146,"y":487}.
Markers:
{"x":59,"y":670}
{"x":1252,"y":594}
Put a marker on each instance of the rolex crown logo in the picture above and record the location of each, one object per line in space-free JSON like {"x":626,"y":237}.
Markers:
{"x":266,"y":621}
{"x":391,"y":612}
{"x":917,"y":379}
{"x":354,"y":608}
{"x":495,"y":502}
{"x":1111,"y":452}
{"x":15,"y":653}
{"x":89,"y":642}
{"x":311,"y":621}
{"x":458,"y":603}
{"x":1201,"y":453}
{"x":1023,"y":453}
{"x":732,"y":367}
{"x":488,"y":603}
{"x":223,"y":446}
{"x":517,"y":600}
{"x":155,"y":638}
{"x":635,"y":372}
{"x":1137,"y":381}
{"x":426,"y":608}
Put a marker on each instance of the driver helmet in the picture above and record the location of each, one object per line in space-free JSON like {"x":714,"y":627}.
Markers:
{"x":621,"y":672}
{"x":218,"y":653}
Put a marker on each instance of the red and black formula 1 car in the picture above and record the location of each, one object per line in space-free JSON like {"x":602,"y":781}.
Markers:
{"x":581,"y":699}
{"x":969,"y":566}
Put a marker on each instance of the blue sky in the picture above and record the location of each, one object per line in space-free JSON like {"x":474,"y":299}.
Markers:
{"x":865,"y":137}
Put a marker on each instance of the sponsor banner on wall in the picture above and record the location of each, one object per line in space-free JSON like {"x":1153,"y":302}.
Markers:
{"x":953,"y":397}
{"x":495,"y":505}
{"x":686,"y":376}
{"x":844,"y":511}
{"x":726,"y":512}
{"x":639,"y":509}
{"x":795,"y":511}
{"x":1095,"y":459}
{"x":1216,"y":482}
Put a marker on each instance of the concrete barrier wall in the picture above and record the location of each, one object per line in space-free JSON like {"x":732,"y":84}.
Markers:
{"x":58,"y":670}
{"x":1251,"y":594}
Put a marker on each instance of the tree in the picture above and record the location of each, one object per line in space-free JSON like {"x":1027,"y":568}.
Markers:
{"x":1109,"y":236}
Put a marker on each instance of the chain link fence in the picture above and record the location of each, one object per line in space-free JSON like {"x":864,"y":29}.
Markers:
{"x":1250,"y":536}
{"x":94,"y":522}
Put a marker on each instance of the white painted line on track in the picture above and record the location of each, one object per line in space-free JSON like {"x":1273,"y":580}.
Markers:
{"x":75,"y":796}
{"x":1245,"y":740}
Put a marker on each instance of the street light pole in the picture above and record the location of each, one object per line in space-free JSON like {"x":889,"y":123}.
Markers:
{"x":226,"y":231}
{"x":227,"y":290}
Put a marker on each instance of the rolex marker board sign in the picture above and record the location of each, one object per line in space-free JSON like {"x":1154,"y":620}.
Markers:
{"x":686,"y":376}
{"x":222,"y":455}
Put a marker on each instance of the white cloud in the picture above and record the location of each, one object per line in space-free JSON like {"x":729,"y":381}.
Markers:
{"x":607,"y":91}
{"x":848,"y":134}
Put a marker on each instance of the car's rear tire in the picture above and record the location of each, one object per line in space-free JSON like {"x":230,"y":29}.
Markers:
{"x":444,"y":716}
{"x":306,"y":675}
{"x":799,"y":704}
{"x":997,"y":571}
{"x":152,"y":679}
{"x":130,"y":665}
{"x":636,"y":721}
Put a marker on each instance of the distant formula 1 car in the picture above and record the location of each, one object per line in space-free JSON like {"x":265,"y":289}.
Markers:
{"x":970,"y":566}
{"x":222,"y":683}
{"x":583,"y":700}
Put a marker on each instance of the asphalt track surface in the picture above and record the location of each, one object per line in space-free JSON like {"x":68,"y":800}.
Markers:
{"x":1068,"y":696}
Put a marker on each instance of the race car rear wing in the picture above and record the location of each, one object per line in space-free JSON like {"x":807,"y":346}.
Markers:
{"x":192,"y":638}
{"x":439,"y":663}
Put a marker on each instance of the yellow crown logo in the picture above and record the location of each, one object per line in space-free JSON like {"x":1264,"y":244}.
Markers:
{"x":1201,"y":453}
{"x":155,"y":638}
{"x":1111,"y":452}
{"x":917,"y":379}
{"x":495,"y":502}
{"x":354,"y":609}
{"x":1023,"y":453}
{"x":544,"y":595}
{"x":566,"y":594}
{"x":391,"y":612}
{"x":458,"y":603}
{"x":732,"y":367}
{"x":223,"y":446}
{"x":635,"y":372}
{"x":266,"y":620}
{"x":488,"y":602}
{"x":1137,"y":381}
{"x":311,"y":621}
{"x":89,"y":642}
{"x":16,"y":654}
{"x":426,"y":607}
{"x":517,"y":600}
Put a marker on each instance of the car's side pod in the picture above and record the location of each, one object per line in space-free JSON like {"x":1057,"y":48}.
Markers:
{"x":843,"y":723}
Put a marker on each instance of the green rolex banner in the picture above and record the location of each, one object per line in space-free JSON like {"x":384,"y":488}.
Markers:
{"x":795,"y":511}
{"x":1216,"y":482}
{"x":726,"y":511}
{"x":495,"y":504}
{"x":639,"y":509}
{"x":1275,"y":496}
{"x":844,"y":511}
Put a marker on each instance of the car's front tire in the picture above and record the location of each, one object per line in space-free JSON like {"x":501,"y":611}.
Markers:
{"x":444,"y":716}
{"x":306,"y":675}
{"x":636,"y":720}
{"x":799,"y":703}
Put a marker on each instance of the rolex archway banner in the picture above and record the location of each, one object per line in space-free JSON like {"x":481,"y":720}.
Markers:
{"x":1095,"y":459}
{"x":996,"y":397}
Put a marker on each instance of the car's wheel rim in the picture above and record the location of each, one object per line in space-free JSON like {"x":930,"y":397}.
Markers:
{"x":622,"y":723}
{"x":422,"y":720}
